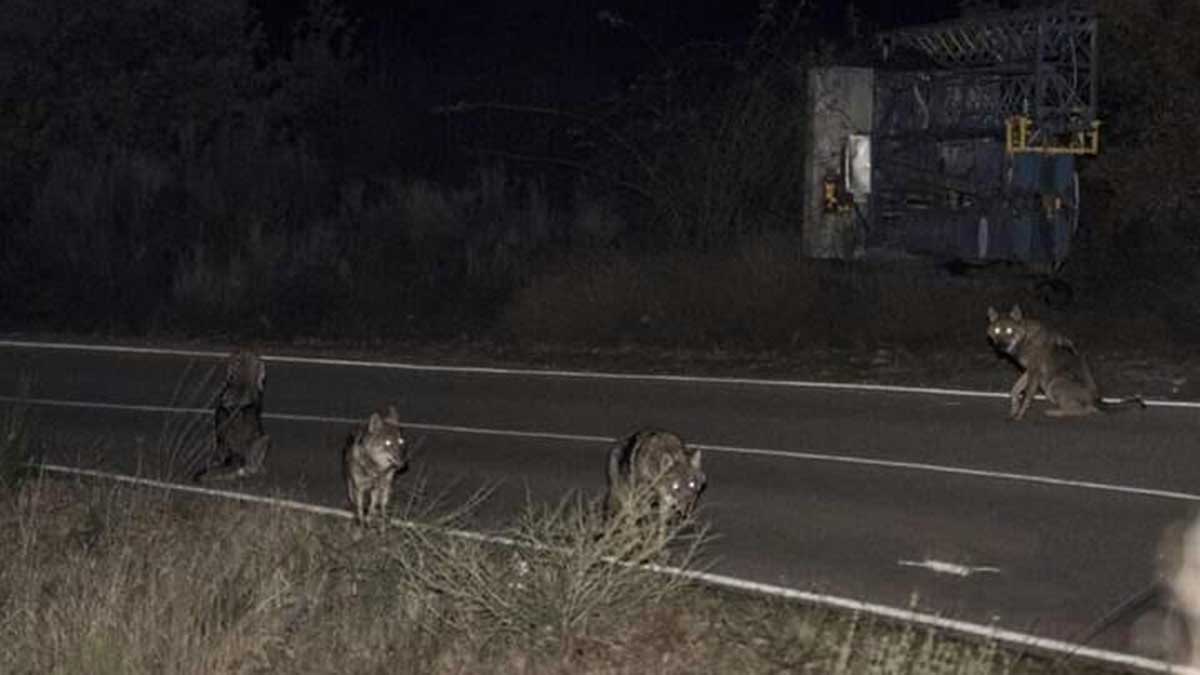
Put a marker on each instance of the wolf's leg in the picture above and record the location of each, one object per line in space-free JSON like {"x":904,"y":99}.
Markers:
{"x":256,"y":455}
{"x":1015,"y":394}
{"x":1032,"y":384}
{"x":1070,"y":399}
{"x":384,"y":496}
{"x":360,"y":505}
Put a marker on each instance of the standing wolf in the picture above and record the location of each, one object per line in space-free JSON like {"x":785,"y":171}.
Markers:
{"x":240,"y":444}
{"x":1050,"y":363}
{"x":656,"y":464}
{"x":373,"y":456}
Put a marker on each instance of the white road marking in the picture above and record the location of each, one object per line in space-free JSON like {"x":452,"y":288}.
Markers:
{"x":988,"y":632}
{"x":546,"y":373}
{"x":587,"y":438}
{"x":943,"y":567}
{"x":958,"y":470}
{"x":992,"y":632}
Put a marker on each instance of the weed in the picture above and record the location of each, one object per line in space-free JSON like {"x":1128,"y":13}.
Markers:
{"x":118,"y":580}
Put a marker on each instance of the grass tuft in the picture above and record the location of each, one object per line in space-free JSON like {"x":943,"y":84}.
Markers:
{"x":119,"y":580}
{"x":17,"y":438}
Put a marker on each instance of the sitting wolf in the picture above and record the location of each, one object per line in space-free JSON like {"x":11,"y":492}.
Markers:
{"x":1050,"y":363}
{"x":656,"y":463}
{"x":240,"y":444}
{"x":373,"y":455}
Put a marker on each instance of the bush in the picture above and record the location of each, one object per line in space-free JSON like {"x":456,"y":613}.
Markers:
{"x":104,"y":580}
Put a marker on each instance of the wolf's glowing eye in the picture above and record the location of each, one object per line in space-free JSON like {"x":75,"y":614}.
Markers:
{"x":1008,"y":331}
{"x":675,"y":485}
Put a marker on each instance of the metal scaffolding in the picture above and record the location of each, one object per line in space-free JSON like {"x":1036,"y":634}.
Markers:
{"x":1040,"y":63}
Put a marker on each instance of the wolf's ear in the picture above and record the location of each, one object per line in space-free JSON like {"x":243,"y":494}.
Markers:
{"x":694,"y":460}
{"x":993,"y":314}
{"x":392,"y":415}
{"x":1016,"y":313}
{"x":374,"y":424}
{"x":665,"y":461}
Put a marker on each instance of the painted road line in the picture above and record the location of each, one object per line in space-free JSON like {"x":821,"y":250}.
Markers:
{"x":548,"y":373}
{"x":799,"y":455}
{"x":988,"y":632}
{"x":954,"y":569}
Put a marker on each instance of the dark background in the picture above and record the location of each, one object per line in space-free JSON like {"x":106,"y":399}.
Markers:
{"x":575,"y":173}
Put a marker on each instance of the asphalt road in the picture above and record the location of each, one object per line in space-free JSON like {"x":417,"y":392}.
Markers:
{"x":835,"y":490}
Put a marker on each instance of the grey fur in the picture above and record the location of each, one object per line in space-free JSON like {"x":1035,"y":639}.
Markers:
{"x":240,"y":444}
{"x":659,"y":461}
{"x":1050,"y":363}
{"x":373,"y":455}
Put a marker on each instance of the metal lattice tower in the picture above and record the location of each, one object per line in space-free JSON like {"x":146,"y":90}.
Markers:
{"x":1042,"y":60}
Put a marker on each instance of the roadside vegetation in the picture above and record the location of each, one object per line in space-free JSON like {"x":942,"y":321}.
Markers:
{"x":113,"y":578}
{"x":101,"y":579}
{"x":17,"y":441}
{"x":170,"y":169}
{"x":234,"y":183}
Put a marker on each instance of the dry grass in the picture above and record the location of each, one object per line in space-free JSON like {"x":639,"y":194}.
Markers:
{"x":673,"y":298}
{"x":496,"y":257}
{"x":764,"y":294}
{"x":17,"y":438}
{"x":117,"y":580}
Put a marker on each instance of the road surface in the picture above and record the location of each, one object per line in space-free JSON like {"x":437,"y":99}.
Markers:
{"x":879,"y":495}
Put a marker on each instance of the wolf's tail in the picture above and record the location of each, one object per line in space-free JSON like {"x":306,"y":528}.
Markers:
{"x":615,"y":456}
{"x":236,"y":468}
{"x":1121,"y":404}
{"x":220,"y":473}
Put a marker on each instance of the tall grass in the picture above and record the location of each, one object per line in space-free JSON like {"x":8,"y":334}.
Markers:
{"x":117,"y":580}
{"x":16,"y":443}
{"x":569,"y":576}
{"x":187,"y":440}
{"x":18,"y":437}
{"x":762,"y":294}
{"x":222,"y":188}
{"x":105,"y":580}
{"x":110,"y":581}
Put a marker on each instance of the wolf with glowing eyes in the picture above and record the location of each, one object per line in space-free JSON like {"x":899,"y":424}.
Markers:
{"x":1050,"y":364}
{"x":656,"y":464}
{"x":373,"y":456}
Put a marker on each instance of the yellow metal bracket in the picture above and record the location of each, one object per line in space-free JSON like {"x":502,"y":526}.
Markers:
{"x":837,"y":200}
{"x":1021,"y":137}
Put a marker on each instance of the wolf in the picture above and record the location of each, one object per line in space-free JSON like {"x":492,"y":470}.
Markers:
{"x":240,"y":444}
{"x":372,"y":457}
{"x":1166,"y":613}
{"x":1050,"y":363}
{"x":1178,"y":566}
{"x":659,"y":463}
